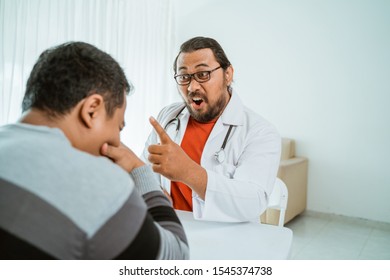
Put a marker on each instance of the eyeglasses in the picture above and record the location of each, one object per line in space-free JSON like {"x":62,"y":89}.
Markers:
{"x":200,"y":77}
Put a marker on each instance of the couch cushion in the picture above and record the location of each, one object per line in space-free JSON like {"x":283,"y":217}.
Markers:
{"x":288,"y":148}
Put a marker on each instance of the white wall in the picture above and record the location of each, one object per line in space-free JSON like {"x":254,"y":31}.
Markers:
{"x":319,"y":71}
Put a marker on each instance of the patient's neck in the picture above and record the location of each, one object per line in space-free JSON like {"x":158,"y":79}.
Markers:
{"x":41,"y":117}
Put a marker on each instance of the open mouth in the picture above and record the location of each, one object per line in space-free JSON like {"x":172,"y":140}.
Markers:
{"x":197,"y":100}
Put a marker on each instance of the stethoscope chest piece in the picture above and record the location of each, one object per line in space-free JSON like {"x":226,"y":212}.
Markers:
{"x":220,"y":156}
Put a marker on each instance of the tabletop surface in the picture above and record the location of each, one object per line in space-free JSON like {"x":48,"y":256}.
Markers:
{"x":235,"y":241}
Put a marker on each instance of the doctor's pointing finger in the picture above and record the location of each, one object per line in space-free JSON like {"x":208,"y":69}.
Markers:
{"x":169,"y":160}
{"x":164,"y":137}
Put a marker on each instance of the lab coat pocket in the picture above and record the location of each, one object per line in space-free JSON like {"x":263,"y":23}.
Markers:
{"x":226,"y":169}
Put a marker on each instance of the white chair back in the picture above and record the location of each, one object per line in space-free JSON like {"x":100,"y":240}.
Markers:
{"x":278,"y":199}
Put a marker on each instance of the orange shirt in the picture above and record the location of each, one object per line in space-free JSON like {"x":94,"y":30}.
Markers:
{"x":193,"y":143}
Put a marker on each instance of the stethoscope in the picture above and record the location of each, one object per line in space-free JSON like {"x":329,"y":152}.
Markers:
{"x":219,"y":155}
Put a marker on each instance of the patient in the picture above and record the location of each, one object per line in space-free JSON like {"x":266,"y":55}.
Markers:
{"x":68,"y":188}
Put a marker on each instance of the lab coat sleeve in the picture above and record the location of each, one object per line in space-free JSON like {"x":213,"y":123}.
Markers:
{"x":238,"y":192}
{"x":152,"y":139}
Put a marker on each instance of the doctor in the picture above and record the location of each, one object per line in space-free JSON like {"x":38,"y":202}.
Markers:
{"x":214,"y":156}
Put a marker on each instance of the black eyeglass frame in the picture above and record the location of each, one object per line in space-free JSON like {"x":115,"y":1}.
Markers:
{"x":194,"y":75}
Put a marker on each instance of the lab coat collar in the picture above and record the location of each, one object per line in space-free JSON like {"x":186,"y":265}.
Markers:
{"x":233,"y":113}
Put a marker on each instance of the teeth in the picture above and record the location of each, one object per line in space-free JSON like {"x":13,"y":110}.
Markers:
{"x":197,"y":99}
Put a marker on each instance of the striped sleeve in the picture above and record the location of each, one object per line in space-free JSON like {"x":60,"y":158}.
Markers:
{"x":173,"y":241}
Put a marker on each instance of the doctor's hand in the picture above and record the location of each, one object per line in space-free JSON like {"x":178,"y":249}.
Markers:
{"x":122,"y":156}
{"x":170,"y":160}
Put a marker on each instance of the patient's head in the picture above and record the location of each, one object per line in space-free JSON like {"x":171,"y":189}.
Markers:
{"x":66,"y":74}
{"x":82,"y":90}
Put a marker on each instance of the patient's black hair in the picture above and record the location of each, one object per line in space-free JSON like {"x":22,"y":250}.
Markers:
{"x":66,"y":74}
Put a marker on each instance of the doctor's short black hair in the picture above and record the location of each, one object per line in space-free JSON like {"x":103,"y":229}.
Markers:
{"x":198,"y":43}
{"x":66,"y":74}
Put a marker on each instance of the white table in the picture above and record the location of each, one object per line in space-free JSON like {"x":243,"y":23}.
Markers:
{"x":235,"y":241}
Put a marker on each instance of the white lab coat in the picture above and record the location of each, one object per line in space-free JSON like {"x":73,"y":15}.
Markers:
{"x":237,"y":189}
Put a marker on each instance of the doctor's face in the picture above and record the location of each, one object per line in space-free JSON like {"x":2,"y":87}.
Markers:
{"x":205,"y":99}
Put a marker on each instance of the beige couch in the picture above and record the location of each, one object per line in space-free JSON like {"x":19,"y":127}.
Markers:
{"x":293,"y":172}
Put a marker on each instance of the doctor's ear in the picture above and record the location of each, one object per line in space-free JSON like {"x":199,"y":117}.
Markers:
{"x":92,"y":109}
{"x":229,"y":74}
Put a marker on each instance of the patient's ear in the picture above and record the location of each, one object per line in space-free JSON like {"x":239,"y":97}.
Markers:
{"x":92,"y":109}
